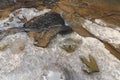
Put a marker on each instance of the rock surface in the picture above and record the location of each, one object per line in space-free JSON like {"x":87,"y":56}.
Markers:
{"x":41,"y":63}
{"x":36,"y":63}
{"x":69,"y":45}
{"x":43,"y":29}
{"x":107,"y":18}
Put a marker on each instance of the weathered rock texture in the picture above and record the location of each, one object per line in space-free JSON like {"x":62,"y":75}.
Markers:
{"x":93,"y":18}
{"x":41,"y":28}
{"x":41,"y":63}
{"x":79,"y":11}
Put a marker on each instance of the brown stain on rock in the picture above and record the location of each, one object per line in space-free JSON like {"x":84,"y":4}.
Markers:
{"x":41,"y":29}
{"x":94,"y":9}
{"x":69,"y":45}
{"x":42,"y":39}
{"x":4,"y":47}
{"x":22,"y":48}
{"x":91,"y":64}
{"x":5,"y":13}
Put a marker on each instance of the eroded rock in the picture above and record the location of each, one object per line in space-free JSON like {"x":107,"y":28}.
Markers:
{"x":43,"y":28}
